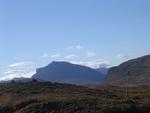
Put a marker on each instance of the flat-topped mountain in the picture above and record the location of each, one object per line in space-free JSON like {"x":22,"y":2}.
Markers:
{"x":65,"y":72}
{"x":135,"y":72}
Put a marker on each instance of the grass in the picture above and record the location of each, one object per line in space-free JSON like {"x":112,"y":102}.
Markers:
{"x":64,"y":98}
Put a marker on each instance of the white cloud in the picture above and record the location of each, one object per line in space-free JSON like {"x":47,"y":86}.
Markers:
{"x":71,"y":56}
{"x":20,"y":69}
{"x":12,"y":71}
{"x":93,"y":64}
{"x":143,"y":54}
{"x":78,"y":47}
{"x":123,"y":56}
{"x":56,"y":56}
{"x":90,"y":54}
{"x":75,"y":47}
{"x":21,"y":64}
{"x":17,"y":74}
{"x":45,"y":55}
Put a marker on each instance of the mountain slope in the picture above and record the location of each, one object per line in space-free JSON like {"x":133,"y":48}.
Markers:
{"x":102,"y":70}
{"x":65,"y":72}
{"x":136,"y":72}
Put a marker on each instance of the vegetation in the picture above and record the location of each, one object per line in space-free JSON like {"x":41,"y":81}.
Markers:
{"x":36,"y":97}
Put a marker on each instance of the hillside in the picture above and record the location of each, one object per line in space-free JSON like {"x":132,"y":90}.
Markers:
{"x":136,"y":72}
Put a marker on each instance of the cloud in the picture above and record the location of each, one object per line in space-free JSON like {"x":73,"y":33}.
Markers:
{"x":12,"y":71}
{"x":17,"y":74}
{"x":75,"y":47}
{"x":45,"y":55}
{"x":56,"y":56}
{"x":20,"y":69}
{"x":22,"y":64}
{"x":123,"y":56}
{"x":90,"y":54}
{"x":143,"y":54}
{"x":93,"y":64}
{"x":71,"y":56}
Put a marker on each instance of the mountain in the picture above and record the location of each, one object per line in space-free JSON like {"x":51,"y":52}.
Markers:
{"x":22,"y":79}
{"x":18,"y":79}
{"x":65,"y":72}
{"x":103,"y":70}
{"x":133,"y":72}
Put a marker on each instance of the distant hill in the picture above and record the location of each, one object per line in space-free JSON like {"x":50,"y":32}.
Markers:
{"x":136,"y":72}
{"x":103,"y":70}
{"x":65,"y":72}
{"x":19,"y":79}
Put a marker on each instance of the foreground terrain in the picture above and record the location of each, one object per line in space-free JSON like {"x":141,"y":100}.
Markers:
{"x":49,"y":97}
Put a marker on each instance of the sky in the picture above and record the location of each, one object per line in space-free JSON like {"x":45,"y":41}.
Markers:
{"x":94,"y":33}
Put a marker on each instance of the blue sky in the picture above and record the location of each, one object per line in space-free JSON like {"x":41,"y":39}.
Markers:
{"x":89,"y":32}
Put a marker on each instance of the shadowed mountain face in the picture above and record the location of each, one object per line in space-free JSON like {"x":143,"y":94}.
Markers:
{"x":136,"y":72}
{"x":65,"y":72}
{"x":103,"y":70}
